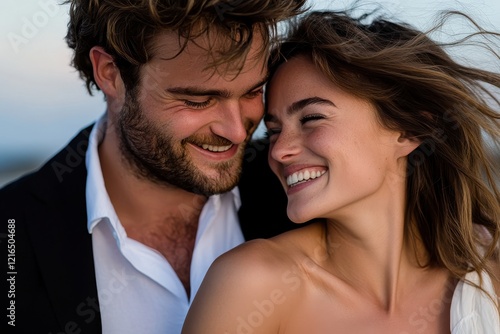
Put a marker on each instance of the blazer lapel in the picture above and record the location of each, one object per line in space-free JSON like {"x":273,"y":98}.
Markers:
{"x":61,"y":240}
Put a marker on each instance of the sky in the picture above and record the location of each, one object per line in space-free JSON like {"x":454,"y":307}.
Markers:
{"x":43,"y":102}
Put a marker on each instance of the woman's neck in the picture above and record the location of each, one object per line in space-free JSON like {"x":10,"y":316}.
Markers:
{"x":369,"y":251}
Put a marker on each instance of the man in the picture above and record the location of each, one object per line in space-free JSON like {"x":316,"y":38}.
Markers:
{"x":116,"y":232}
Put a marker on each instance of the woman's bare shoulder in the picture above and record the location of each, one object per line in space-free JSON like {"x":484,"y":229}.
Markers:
{"x":270,"y":254}
{"x":240,"y":285}
{"x":258,"y":257}
{"x":262,"y":264}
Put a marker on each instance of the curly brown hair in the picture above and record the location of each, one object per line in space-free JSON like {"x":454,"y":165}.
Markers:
{"x":452,"y":178}
{"x":126,"y":28}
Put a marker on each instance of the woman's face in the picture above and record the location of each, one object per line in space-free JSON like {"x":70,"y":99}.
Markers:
{"x":331,"y":154}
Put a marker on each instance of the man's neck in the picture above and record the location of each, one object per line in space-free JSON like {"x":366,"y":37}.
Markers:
{"x":161,"y":217}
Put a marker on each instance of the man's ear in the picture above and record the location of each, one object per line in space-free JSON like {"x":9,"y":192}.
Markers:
{"x":406,"y":144}
{"x":106,"y":74}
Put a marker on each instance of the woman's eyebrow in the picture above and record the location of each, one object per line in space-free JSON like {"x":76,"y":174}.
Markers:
{"x":301,"y":104}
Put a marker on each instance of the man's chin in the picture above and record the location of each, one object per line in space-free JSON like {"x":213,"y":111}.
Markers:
{"x":222,"y":182}
{"x":214,"y":188}
{"x":209,"y":191}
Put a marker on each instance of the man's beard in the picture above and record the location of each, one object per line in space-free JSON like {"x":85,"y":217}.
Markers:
{"x":153,"y":155}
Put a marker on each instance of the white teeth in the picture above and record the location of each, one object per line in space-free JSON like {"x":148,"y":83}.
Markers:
{"x":295,"y":178}
{"x":216,"y":148}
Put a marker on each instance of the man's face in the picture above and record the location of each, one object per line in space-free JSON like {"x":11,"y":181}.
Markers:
{"x":187,"y":126}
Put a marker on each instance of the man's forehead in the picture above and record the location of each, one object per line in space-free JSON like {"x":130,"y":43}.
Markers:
{"x":208,"y":47}
{"x":187,"y":68}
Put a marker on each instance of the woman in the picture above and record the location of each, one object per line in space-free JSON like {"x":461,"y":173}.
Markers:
{"x":378,"y":137}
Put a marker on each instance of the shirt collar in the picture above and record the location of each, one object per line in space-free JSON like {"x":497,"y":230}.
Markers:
{"x":98,"y":202}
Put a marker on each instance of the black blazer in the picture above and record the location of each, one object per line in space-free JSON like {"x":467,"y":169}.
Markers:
{"x":54,"y":285}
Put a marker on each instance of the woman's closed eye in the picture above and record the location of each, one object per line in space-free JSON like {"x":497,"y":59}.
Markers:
{"x":272,"y":128}
{"x":269,"y":133}
{"x":311,"y":117}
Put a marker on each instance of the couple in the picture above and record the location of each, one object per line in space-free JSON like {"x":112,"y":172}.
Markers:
{"x":375,"y":135}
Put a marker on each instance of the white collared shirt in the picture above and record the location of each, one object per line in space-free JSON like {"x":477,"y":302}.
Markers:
{"x":139,"y":292}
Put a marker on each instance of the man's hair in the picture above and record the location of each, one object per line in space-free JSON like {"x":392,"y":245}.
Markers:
{"x":126,"y":29}
{"x":419,"y":90}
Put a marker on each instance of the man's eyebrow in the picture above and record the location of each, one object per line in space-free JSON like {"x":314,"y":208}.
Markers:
{"x":301,"y":104}
{"x":198,"y":91}
{"x":260,"y":83}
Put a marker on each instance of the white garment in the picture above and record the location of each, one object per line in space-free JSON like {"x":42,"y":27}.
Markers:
{"x":139,"y":292}
{"x":472,"y":311}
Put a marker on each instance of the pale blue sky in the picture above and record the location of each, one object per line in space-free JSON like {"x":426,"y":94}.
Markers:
{"x":43,"y":103}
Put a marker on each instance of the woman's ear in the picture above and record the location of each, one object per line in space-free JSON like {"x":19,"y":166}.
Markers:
{"x":406,"y":144}
{"x":106,"y":74}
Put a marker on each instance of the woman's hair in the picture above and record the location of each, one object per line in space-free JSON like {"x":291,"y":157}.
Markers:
{"x":453,"y":198}
{"x":126,"y":29}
